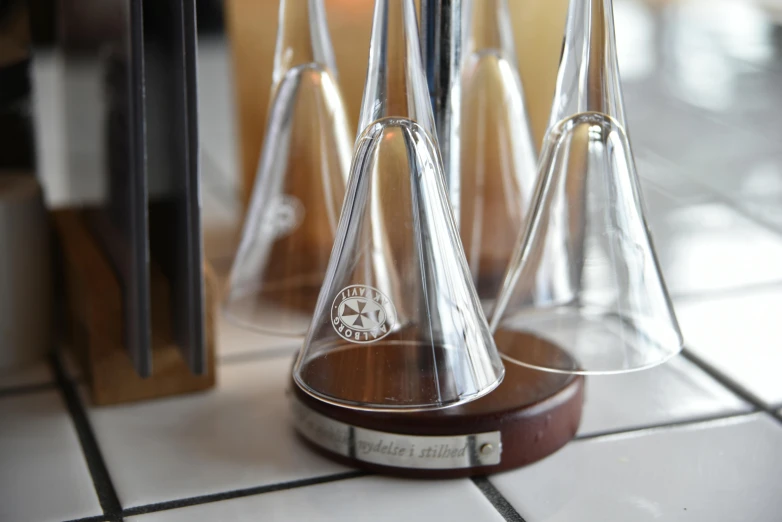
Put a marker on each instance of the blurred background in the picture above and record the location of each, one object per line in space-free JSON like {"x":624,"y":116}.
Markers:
{"x":701,"y":81}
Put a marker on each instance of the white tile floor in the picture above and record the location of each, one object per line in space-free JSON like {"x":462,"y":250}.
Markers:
{"x":43,"y":474}
{"x":235,"y":437}
{"x":690,"y":238}
{"x":708,"y":154}
{"x":736,"y":334}
{"x":371,"y":498}
{"x":723,"y":471}
{"x":674,"y":392}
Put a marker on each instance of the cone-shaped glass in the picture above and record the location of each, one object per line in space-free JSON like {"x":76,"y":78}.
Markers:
{"x":300,"y":184}
{"x":498,"y":158}
{"x":585,"y":274}
{"x":398,"y":325}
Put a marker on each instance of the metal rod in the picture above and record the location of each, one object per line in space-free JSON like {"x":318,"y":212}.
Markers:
{"x":441,"y":34}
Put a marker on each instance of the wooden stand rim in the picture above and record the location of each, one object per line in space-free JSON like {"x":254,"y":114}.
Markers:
{"x":529,"y":431}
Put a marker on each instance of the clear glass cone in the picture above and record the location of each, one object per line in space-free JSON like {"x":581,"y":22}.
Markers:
{"x":398,"y":325}
{"x":498,"y":158}
{"x":585,"y":274}
{"x":396,"y":85}
{"x":291,"y":224}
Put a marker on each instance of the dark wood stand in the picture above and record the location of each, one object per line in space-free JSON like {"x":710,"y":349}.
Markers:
{"x":94,"y":323}
{"x":535,"y":413}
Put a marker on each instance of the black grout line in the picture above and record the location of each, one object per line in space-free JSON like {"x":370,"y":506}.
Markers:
{"x":99,"y":518}
{"x":727,"y":382}
{"x":497,"y":500}
{"x":107,"y":496}
{"x":27,"y":389}
{"x":664,"y":427}
{"x":259,"y":355}
{"x":239,"y":493}
{"x":731,"y":385}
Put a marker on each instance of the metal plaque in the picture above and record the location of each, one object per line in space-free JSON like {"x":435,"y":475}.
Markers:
{"x":396,"y":449}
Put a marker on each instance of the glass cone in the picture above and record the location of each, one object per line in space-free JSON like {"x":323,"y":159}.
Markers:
{"x":300,"y":184}
{"x":498,"y":158}
{"x":398,"y":325}
{"x":585,"y":274}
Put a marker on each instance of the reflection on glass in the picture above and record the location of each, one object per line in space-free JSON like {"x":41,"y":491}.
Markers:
{"x":498,"y":158}
{"x":300,"y":184}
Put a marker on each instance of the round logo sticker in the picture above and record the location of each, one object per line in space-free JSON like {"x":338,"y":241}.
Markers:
{"x":286,"y":214}
{"x":362,"y":314}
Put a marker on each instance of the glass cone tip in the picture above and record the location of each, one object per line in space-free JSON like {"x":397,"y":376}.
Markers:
{"x":396,"y":84}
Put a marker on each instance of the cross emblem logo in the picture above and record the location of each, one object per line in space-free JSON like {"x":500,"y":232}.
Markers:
{"x":362,"y":314}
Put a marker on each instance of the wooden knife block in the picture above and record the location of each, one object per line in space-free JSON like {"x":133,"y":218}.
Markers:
{"x":93,"y":312}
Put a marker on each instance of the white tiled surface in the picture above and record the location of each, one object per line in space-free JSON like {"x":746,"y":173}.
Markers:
{"x":710,"y":246}
{"x":738,"y":335}
{"x":704,"y":106}
{"x":372,"y":498}
{"x":43,"y":475}
{"x":29,"y":375}
{"x":237,"y":436}
{"x":721,"y":471}
{"x":675,"y":391}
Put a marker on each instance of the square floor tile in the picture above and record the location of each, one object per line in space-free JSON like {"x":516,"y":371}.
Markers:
{"x":28,"y":375}
{"x":372,"y":498}
{"x":724,"y":470}
{"x":43,"y":474}
{"x":739,"y":335}
{"x":234,"y":437}
{"x":675,"y":391}
{"x":709,"y":246}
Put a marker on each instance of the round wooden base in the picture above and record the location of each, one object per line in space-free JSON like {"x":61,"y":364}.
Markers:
{"x":529,"y":416}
